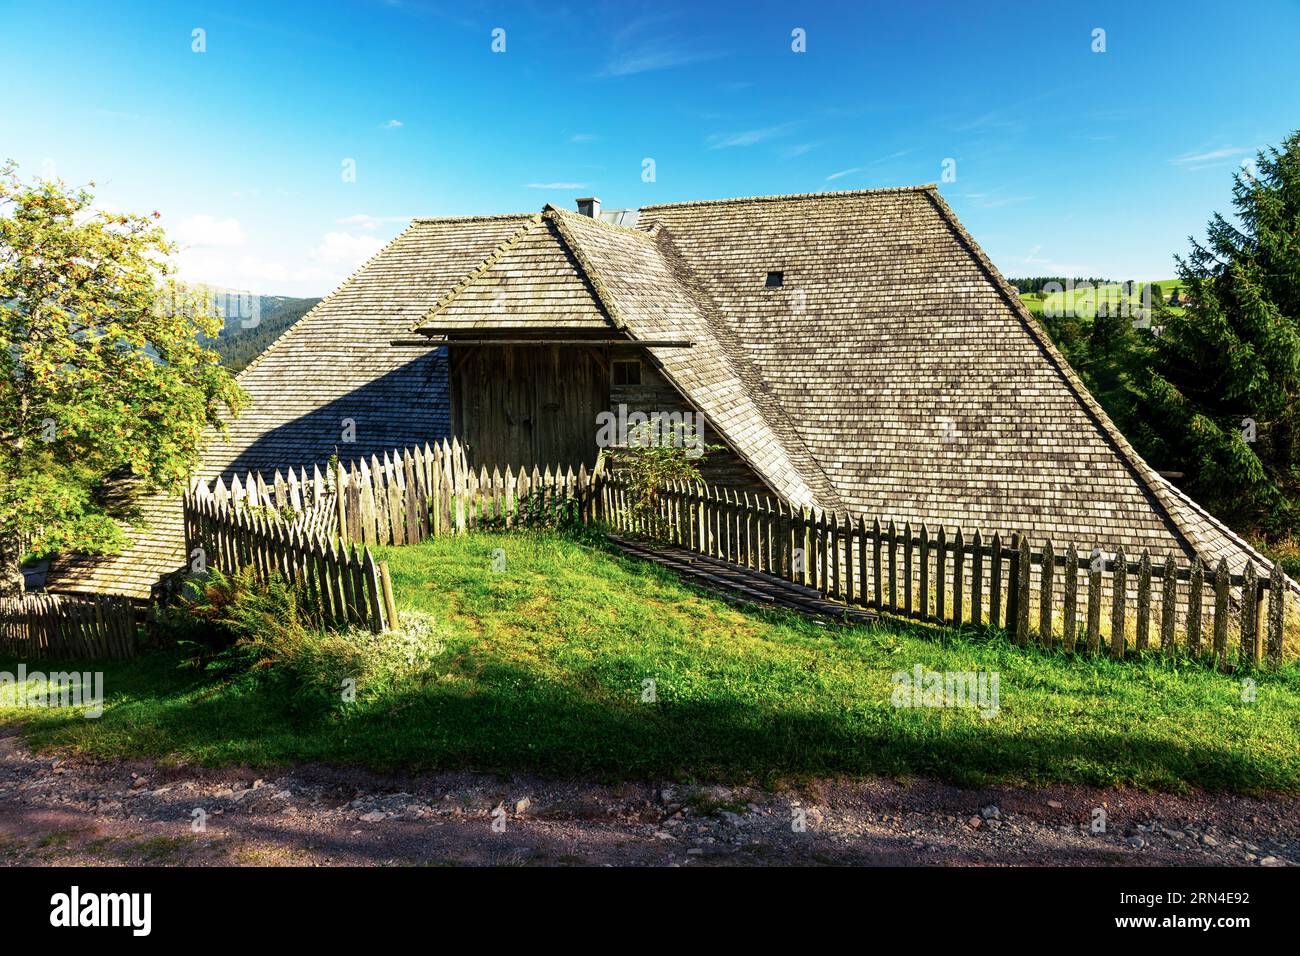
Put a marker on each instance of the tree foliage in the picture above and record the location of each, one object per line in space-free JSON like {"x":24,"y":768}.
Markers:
{"x":101,"y":369}
{"x":1224,"y":383}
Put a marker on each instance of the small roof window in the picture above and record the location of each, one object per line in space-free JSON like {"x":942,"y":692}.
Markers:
{"x":775,"y":280}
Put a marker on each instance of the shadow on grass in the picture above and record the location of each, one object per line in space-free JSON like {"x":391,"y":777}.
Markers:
{"x":512,"y":720}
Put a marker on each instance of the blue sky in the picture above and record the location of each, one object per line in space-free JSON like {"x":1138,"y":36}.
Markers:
{"x":1067,"y":160}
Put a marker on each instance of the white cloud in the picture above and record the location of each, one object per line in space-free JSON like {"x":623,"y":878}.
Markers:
{"x":345,"y":249}
{"x":257,"y":274}
{"x":844,"y":172}
{"x":391,"y":124}
{"x":798,"y":149}
{"x":583,"y":138}
{"x":657,"y":53}
{"x":749,"y":137}
{"x":367,"y":221}
{"x":1225,"y":152}
{"x":204,"y":231}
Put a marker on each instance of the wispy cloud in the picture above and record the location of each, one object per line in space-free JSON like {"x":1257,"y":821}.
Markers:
{"x":798,"y":149}
{"x":1210,"y":156}
{"x":635,"y":50}
{"x":557,"y":186}
{"x":658,"y":54}
{"x":391,"y":124}
{"x":898,"y":155}
{"x":749,"y":137}
{"x":844,"y":172}
{"x":583,"y":138}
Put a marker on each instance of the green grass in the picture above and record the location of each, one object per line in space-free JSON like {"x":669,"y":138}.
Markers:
{"x":1085,"y":301}
{"x":541,"y":668}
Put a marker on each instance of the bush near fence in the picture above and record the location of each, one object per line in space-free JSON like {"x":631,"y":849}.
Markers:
{"x":344,"y":587}
{"x":1050,"y":594}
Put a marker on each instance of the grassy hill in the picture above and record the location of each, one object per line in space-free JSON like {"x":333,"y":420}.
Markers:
{"x":545,"y":667}
{"x":1083,"y":302}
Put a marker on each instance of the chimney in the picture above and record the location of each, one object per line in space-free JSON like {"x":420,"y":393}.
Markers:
{"x":589,"y":207}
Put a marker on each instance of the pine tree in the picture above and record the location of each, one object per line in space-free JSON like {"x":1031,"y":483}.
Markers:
{"x":1224,"y":383}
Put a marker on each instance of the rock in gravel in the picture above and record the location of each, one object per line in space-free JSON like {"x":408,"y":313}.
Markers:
{"x":735,"y":819}
{"x":374,"y":816}
{"x":1055,"y":804}
{"x":975,"y":822}
{"x":1270,"y":861}
{"x":991,"y":812}
{"x":521,"y":806}
{"x":139,"y":782}
{"x":1136,"y":843}
{"x":1209,"y":840}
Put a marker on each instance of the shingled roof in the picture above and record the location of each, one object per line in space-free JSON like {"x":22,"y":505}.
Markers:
{"x":332,"y":364}
{"x":893,"y":373}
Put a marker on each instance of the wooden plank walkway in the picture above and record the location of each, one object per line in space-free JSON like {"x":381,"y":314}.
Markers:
{"x":741,"y":584}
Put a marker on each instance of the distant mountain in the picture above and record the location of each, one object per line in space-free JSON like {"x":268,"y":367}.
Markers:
{"x":248,"y":331}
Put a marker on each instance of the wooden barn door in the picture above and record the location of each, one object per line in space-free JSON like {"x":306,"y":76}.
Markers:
{"x":527,"y":405}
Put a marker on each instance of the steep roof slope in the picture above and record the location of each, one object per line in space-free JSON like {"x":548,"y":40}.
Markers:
{"x":333,"y":364}
{"x":915,"y":377}
{"x":649,"y":295}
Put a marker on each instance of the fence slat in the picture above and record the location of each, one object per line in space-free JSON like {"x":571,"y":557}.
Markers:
{"x":1221,"y":582}
{"x":1143,"y":634}
{"x":1168,"y":607}
{"x":1048,"y":569}
{"x":1194,"y":597}
{"x":1118,"y":603}
{"x":1070,"y":601}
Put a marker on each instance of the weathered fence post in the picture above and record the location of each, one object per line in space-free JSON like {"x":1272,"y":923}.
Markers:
{"x":1143,"y":635}
{"x":1222,"y":581}
{"x":1070,"y":606}
{"x":1276,"y":611}
{"x":1118,"y":603}
{"x":1194,"y":588}
{"x":1045,"y":595}
{"x":1022,"y":592}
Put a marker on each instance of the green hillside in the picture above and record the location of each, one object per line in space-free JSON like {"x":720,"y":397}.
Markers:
{"x":238,"y":345}
{"x":1083,"y":302}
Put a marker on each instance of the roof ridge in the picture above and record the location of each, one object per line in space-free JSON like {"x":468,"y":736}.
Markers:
{"x":1151,"y":481}
{"x":833,"y":194}
{"x":589,"y":271}
{"x":492,"y":258}
{"x":257,"y":360}
{"x":483,"y":217}
{"x":612,"y":226}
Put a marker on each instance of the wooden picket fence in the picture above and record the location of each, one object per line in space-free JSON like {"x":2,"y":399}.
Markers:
{"x":345,"y":586}
{"x":1038,"y":592}
{"x":407,"y":495}
{"x":1051,"y":595}
{"x":67,"y":627}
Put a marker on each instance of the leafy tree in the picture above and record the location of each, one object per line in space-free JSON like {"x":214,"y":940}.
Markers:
{"x":1224,"y":386}
{"x":101,"y":370}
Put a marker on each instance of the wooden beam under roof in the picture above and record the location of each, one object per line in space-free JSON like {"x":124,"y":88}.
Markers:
{"x":633,"y":343}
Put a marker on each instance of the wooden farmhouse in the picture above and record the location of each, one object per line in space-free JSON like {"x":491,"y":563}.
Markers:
{"x":855,"y":351}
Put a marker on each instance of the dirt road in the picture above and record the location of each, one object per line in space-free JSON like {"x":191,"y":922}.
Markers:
{"x":77,"y":812}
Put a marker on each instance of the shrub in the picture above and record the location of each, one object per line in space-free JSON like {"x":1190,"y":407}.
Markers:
{"x":651,"y":461}
{"x":240,"y":626}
